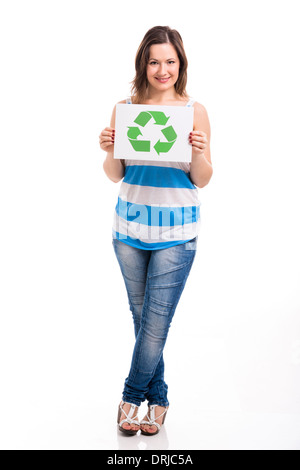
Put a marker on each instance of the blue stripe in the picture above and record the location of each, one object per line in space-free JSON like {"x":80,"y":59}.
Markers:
{"x":136,"y":243}
{"x":156,"y":215}
{"x":157,"y":176}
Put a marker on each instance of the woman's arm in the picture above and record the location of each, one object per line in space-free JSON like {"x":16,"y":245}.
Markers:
{"x":201,"y":168}
{"x":114,"y":167}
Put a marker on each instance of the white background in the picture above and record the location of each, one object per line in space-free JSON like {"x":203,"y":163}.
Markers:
{"x":66,"y":334}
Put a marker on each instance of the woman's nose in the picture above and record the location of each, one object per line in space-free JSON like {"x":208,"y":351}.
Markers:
{"x":162,"y":69}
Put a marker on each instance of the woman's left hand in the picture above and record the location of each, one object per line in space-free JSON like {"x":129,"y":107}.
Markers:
{"x":198,"y":140}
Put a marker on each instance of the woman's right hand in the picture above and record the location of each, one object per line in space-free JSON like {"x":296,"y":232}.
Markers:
{"x":107,"y":139}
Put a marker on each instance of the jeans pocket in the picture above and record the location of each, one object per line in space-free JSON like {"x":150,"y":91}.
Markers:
{"x":192,"y":244}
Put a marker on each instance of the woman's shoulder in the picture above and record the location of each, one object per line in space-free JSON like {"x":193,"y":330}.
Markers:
{"x":201,"y":119}
{"x":200,"y":112}
{"x":199,"y":107}
{"x":129,"y":99}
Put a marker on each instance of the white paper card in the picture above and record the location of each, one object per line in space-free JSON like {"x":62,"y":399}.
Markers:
{"x":152,"y":132}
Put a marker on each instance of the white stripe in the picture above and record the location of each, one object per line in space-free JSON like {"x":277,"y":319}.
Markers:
{"x":191,"y":102}
{"x":185,"y":166}
{"x":155,"y":234}
{"x":148,"y":195}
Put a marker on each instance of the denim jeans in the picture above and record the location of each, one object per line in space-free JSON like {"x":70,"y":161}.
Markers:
{"x":154,"y":281}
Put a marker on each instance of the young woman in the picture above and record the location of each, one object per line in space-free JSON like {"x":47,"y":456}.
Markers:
{"x":156,"y":253}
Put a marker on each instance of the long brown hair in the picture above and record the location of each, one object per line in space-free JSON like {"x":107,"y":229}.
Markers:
{"x":158,"y":35}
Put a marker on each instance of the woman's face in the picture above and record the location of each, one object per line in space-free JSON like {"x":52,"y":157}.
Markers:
{"x":163,"y":66}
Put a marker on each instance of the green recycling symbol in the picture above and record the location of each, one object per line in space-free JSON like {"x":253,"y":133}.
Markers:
{"x":160,"y":119}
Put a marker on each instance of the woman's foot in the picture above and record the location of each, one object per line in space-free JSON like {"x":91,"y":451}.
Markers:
{"x":155,"y":418}
{"x":128,"y":414}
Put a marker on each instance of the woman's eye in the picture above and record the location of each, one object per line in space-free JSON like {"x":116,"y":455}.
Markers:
{"x":170,"y":62}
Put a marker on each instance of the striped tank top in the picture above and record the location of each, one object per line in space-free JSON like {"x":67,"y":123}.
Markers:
{"x":158,"y":205}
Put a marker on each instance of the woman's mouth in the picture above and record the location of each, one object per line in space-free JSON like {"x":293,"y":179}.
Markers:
{"x":162,"y":80}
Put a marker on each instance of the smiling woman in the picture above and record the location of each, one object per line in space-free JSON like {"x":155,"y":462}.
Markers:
{"x":161,"y":70}
{"x":161,"y":59}
{"x":156,"y":252}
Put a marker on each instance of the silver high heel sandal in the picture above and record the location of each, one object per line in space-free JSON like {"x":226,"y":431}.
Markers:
{"x":129,"y":419}
{"x":152,"y":420}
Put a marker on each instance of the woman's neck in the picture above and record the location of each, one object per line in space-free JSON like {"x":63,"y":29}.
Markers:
{"x":156,"y":96}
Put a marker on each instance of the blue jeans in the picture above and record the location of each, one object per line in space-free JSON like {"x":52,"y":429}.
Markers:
{"x":154,"y":281}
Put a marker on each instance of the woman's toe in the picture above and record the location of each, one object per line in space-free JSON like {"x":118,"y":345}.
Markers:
{"x":152,"y":428}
